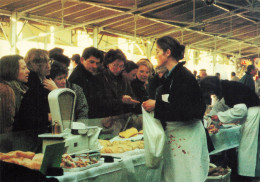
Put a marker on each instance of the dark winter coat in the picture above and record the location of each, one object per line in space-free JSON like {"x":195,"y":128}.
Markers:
{"x":140,"y":94}
{"x":93,"y":89}
{"x":115,"y":87}
{"x":185,"y":102}
{"x":34,"y":109}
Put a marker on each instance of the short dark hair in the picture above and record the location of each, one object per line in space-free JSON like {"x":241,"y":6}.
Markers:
{"x":250,"y":67}
{"x":233,"y":73}
{"x":9,"y":67}
{"x":57,"y":69}
{"x":92,"y":51}
{"x":55,"y":50}
{"x":130,"y":65}
{"x":167,"y":42}
{"x":211,"y":85}
{"x":76,"y":58}
{"x":62,"y":59}
{"x":114,"y":54}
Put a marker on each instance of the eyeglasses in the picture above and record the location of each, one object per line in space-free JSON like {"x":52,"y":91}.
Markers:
{"x":50,"y":61}
{"x":118,"y":66}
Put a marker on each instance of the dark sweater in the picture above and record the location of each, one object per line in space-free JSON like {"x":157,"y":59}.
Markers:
{"x":140,"y":94}
{"x":185,"y":102}
{"x":237,"y":93}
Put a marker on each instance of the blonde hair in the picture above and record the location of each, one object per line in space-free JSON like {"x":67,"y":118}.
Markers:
{"x":35,"y":58}
{"x":147,"y":63}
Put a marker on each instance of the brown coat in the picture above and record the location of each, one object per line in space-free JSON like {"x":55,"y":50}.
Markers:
{"x":7,"y":108}
{"x":115,"y":87}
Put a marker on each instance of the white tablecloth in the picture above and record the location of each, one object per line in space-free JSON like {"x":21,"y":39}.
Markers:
{"x":130,"y":168}
{"x":226,"y":139}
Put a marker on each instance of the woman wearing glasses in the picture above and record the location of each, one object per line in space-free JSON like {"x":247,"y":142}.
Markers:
{"x":117,"y":90}
{"x":34,"y":109}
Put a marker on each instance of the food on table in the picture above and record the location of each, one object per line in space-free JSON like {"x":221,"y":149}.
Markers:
{"x":38,"y":157}
{"x":122,"y":146}
{"x":105,"y":143}
{"x":212,"y":129}
{"x":141,"y":132}
{"x":80,"y":161}
{"x":128,"y":133}
{"x":67,"y":161}
{"x":16,"y":154}
{"x":217,"y":171}
{"x":26,"y":159}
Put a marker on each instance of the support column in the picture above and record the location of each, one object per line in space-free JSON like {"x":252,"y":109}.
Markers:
{"x":215,"y":56}
{"x":95,"y":37}
{"x":13,"y":32}
{"x":149,"y":47}
{"x":186,"y":53}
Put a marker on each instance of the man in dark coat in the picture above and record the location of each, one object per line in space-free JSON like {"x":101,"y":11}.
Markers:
{"x":86,"y":75}
{"x":247,"y":79}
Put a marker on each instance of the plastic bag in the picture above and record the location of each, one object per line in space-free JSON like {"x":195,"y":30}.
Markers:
{"x":154,"y":139}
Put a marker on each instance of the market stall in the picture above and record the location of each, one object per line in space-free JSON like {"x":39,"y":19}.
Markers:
{"x":227,"y":137}
{"x":130,"y":167}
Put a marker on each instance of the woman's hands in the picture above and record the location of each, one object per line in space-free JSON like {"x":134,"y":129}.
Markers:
{"x":215,"y":118}
{"x":149,"y":105}
{"x":126,"y":99}
{"x":49,"y":84}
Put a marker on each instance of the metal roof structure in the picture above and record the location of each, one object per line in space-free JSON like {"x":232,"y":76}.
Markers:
{"x":230,"y":27}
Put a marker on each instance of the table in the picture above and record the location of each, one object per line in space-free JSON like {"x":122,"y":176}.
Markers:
{"x":226,"y":139}
{"x":131,"y":168}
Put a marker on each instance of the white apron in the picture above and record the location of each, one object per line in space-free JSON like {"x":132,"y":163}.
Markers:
{"x":247,"y":151}
{"x":186,"y":157}
{"x":248,"y":145}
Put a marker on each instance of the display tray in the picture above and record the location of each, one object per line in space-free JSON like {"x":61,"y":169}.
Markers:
{"x":76,"y":169}
{"x":81,"y":162}
{"x":125,"y":154}
{"x":134,"y":138}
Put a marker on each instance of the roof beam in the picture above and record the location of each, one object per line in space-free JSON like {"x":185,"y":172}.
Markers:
{"x":93,"y":21}
{"x":58,"y":10}
{"x":229,"y":45}
{"x":150,"y":9}
{"x":226,"y":34}
{"x":5,"y":12}
{"x":75,"y":12}
{"x":102,"y":5}
{"x":7,"y":2}
{"x":240,"y":7}
{"x":39,"y":6}
{"x":46,"y":19}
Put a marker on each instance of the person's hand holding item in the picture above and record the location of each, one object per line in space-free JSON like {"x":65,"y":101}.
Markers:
{"x":215,"y":118}
{"x":149,"y":105}
{"x":107,"y":122}
{"x":126,"y":99}
{"x":49,"y":84}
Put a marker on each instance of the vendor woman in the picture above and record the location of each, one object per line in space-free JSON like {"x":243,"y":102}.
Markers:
{"x":237,"y":102}
{"x":179,"y":106}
